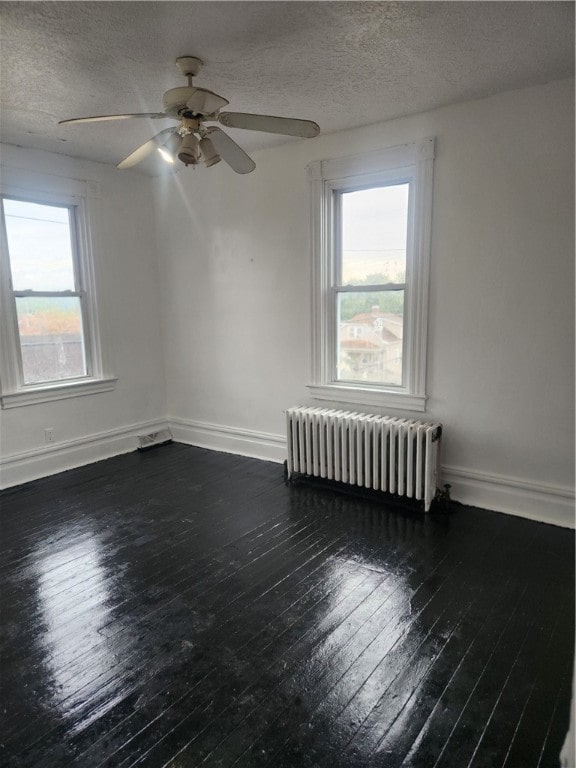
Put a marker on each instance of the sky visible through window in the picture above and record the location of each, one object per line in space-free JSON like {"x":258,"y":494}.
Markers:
{"x":39,"y":245}
{"x":374,"y":239}
{"x":374,"y":228}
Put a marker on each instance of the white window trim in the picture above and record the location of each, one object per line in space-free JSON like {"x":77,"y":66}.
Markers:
{"x":13,"y":392}
{"x":413,"y":162}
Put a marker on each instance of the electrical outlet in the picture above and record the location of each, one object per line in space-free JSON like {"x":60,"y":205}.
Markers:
{"x":49,"y":435}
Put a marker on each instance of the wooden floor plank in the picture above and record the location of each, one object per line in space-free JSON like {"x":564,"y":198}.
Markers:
{"x":465,"y":741}
{"x":550,"y":691}
{"x":329,"y":637}
{"x":71,"y":669}
{"x":196,"y":700}
{"x":320,"y":672}
{"x":312,"y":592}
{"x":198,"y":577}
{"x":390,"y":730}
{"x":273,"y":668}
{"x":181,"y":607}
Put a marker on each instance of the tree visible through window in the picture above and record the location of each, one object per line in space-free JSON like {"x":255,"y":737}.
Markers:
{"x":47,"y":291}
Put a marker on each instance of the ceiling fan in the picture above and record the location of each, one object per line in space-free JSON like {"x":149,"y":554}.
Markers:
{"x":191,"y":141}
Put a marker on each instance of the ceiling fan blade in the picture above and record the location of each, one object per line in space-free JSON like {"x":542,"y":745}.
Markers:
{"x":229,"y":151}
{"x":105,"y":118}
{"x":143,"y":151}
{"x":288,"y":126}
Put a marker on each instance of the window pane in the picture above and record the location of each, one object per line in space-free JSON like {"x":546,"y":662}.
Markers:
{"x":369,"y":345}
{"x":374,"y":230}
{"x":39,"y":246}
{"x":51,"y":338}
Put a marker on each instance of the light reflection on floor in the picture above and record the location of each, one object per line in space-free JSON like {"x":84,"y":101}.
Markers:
{"x":362,"y":631}
{"x":74,"y":600}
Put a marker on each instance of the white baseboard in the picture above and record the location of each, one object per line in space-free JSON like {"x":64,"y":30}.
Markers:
{"x":535,"y":501}
{"x":544,"y":503}
{"x":244,"y":442}
{"x":57,"y":457}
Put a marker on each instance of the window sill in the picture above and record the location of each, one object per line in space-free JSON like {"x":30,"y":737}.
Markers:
{"x":60,"y":391}
{"x":341,"y":393}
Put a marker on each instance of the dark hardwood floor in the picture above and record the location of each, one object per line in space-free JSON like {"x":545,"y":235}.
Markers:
{"x":181,"y":607}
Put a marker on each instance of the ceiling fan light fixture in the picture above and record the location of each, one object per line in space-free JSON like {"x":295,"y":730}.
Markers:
{"x":189,"y":151}
{"x":191,"y":141}
{"x":209,"y":154}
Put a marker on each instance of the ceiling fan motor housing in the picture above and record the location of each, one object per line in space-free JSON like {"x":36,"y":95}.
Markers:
{"x":196,"y":101}
{"x":176,"y":100}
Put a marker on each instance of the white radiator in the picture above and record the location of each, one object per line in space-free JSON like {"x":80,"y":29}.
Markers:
{"x":400,"y":456}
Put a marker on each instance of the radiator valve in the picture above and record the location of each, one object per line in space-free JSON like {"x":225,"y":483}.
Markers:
{"x":443,"y":496}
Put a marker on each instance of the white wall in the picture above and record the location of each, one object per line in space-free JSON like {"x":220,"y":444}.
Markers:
{"x":235,"y":275}
{"x":127,"y":286}
{"x":229,"y":263}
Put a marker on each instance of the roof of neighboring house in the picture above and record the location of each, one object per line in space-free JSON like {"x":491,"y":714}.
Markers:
{"x":360,"y":344}
{"x":369,"y":317}
{"x":389,"y":336}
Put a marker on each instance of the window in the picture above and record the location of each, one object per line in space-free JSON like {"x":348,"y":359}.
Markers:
{"x":51,"y":341}
{"x":371,"y":240}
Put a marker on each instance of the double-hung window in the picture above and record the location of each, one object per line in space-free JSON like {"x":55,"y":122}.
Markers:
{"x":371,"y":221}
{"x":50,"y":330}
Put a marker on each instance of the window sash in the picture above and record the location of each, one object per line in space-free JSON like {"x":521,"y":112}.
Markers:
{"x":337,"y":251}
{"x":366,"y":333}
{"x":80,"y":292}
{"x":334,"y":254}
{"x":85,"y":337}
{"x":369,"y":288}
{"x":48,"y":294}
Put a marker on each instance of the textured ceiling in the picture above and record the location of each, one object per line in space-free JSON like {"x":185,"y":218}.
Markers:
{"x":342,"y":64}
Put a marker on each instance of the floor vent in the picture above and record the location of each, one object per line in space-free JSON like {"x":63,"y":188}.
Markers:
{"x":154,"y":439}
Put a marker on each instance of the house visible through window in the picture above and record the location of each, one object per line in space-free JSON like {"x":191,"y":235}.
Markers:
{"x":49,"y":311}
{"x":371,"y":224}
